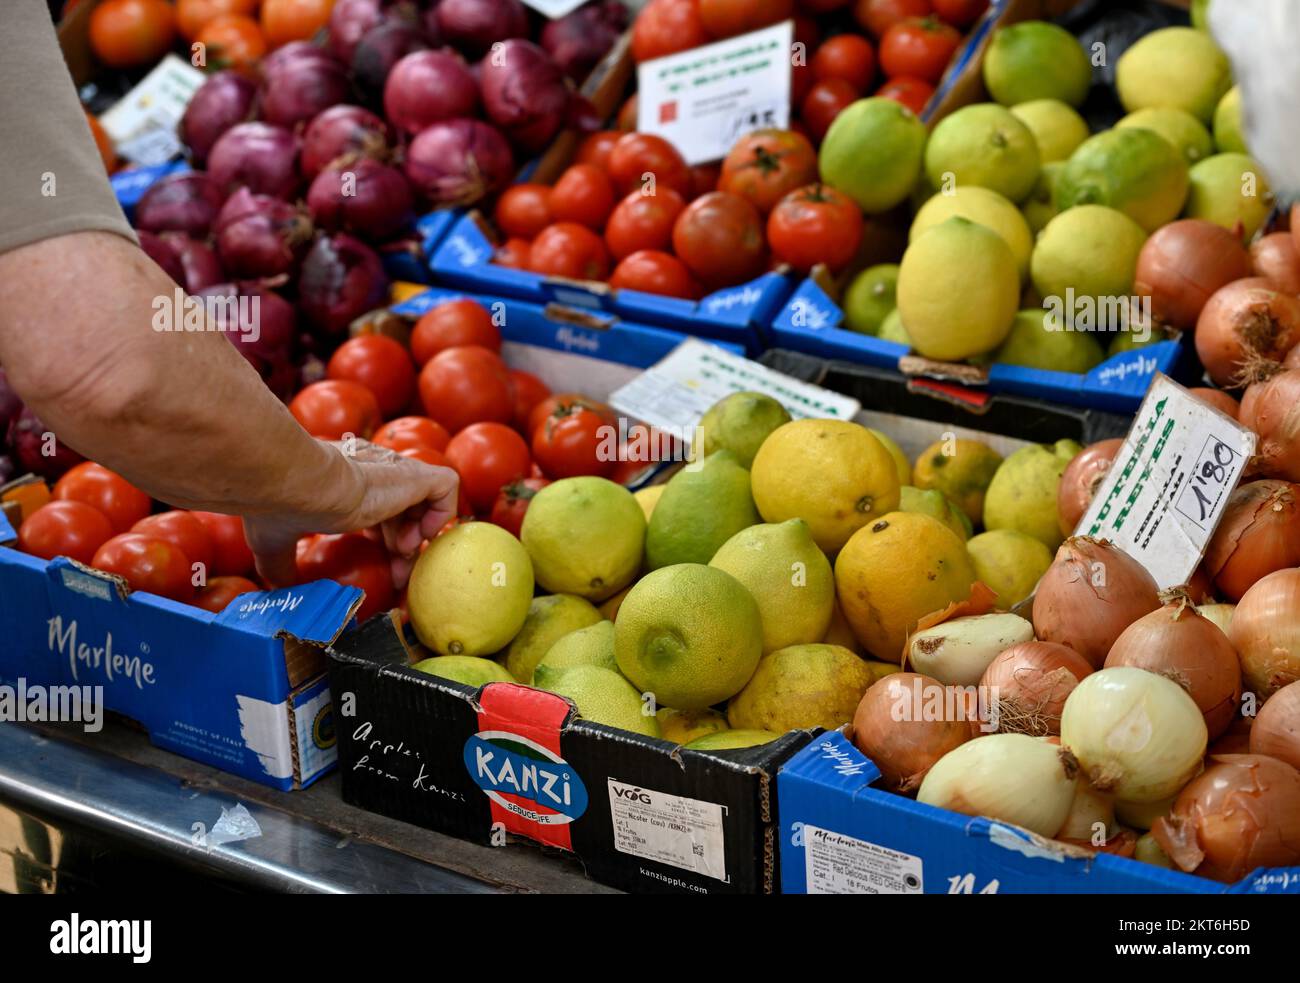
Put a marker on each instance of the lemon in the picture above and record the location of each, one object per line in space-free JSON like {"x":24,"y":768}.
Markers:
{"x":684,"y":726}
{"x":984,"y":207}
{"x":585,"y":537}
{"x":872,"y":152}
{"x":689,"y":634}
{"x":879,"y":670}
{"x":1056,"y":127}
{"x":870,"y":298}
{"x":648,"y":498}
{"x":790,"y":578}
{"x":1178,"y":126}
{"x":590,"y":646}
{"x":901,"y":463}
{"x":1177,"y":66}
{"x":1092,"y":250}
{"x":605,"y":697}
{"x":961,"y":469}
{"x":801,"y":686}
{"x":1040,"y":340}
{"x":932,"y":502}
{"x":895,"y":571}
{"x":740,"y":423}
{"x":891,"y":329}
{"x":1036,"y":60}
{"x":1022,"y":495}
{"x":831,"y":473}
{"x":1227,"y":189}
{"x":838,"y":631}
{"x":731,"y":740}
{"x":1009,"y":561}
{"x":1131,"y":169}
{"x":549,"y":619}
{"x":1040,"y":207}
{"x":701,"y":508}
{"x":1228,"y":127}
{"x":984,"y":144}
{"x":470,"y":590}
{"x":468,"y":669}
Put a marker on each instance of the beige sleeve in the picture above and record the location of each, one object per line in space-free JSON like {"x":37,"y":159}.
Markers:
{"x":53,"y":179}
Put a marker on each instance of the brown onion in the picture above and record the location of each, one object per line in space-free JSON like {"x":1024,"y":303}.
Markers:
{"x":1275,"y":257}
{"x":1245,"y":321}
{"x":1200,"y":588}
{"x":1277,"y":727}
{"x":1258,"y":533}
{"x":1217,"y":398}
{"x":1081,"y":479}
{"x":1183,"y":264}
{"x":1181,"y":644}
{"x":1030,"y":682}
{"x":1234,"y":740}
{"x":1092,"y":591}
{"x":890,"y":728}
{"x":1292,"y":360}
{"x":1271,"y":408}
{"x":1243,"y":812}
{"x":1265,"y":631}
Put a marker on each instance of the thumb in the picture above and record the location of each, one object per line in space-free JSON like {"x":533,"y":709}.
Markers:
{"x":276,"y":557}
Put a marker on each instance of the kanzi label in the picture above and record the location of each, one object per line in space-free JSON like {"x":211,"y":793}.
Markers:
{"x":525,"y":778}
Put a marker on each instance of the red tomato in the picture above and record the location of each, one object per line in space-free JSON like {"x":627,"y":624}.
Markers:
{"x":878,"y":16}
{"x":584,"y":195}
{"x":380,"y":364}
{"x":655,"y":272}
{"x":641,"y":450}
{"x":637,"y":155}
{"x":513,"y":253}
{"x":70,"y":528}
{"x":569,"y":250}
{"x":529,"y":391}
{"x":550,"y":404}
{"x":816,"y":224}
{"x":121,"y":502}
{"x":451,"y":324}
{"x":184,"y":531}
{"x":727,"y":18}
{"x":353,"y":560}
{"x":919,"y":48}
{"x":332,"y":408}
{"x":911,"y":92}
{"x":664,"y":27}
{"x":766,"y":165}
{"x":595,"y":148}
{"x":147,"y":564}
{"x":487,"y":456}
{"x":801,"y":80}
{"x":412,"y":431}
{"x":574,"y":441}
{"x":704,"y":178}
{"x":523,"y":210}
{"x":719,"y":237}
{"x":823,"y":6}
{"x":960,"y":13}
{"x":465,"y":385}
{"x":426,"y":455}
{"x":216,"y":597}
{"x":823,"y":103}
{"x":643,"y":221}
{"x":846,"y":56}
{"x":231,"y":556}
{"x":512,"y":503}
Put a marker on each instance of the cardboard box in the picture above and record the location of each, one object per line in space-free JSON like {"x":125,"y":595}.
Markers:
{"x":841,"y":834}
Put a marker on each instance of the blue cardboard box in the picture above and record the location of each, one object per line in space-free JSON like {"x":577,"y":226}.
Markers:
{"x":244,"y":690}
{"x":841,"y":834}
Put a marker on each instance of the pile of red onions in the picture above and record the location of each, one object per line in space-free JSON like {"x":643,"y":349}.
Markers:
{"x":892,"y":728}
{"x":1265,"y":631}
{"x":192,"y":263}
{"x":580,"y":39}
{"x":349,"y":22}
{"x":1081,"y":479}
{"x":1258,"y":533}
{"x":1242,"y":323}
{"x":475,"y":25}
{"x":1183,"y":263}
{"x":224,"y":99}
{"x":262,"y":328}
{"x":341,"y":279}
{"x":1032,"y":681}
{"x":186,"y":202}
{"x":381,"y":48}
{"x":1271,"y":408}
{"x":260,"y":236}
{"x":258,"y":156}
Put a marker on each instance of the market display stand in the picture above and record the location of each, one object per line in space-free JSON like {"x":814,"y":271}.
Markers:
{"x":78,"y":810}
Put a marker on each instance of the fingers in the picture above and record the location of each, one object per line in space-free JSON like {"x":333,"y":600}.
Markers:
{"x":275,"y":556}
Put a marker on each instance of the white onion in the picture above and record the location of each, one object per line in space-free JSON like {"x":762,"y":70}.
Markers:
{"x":1148,"y":851}
{"x":1089,"y":809}
{"x":1219,"y":614}
{"x":1143,"y":815}
{"x":957,"y":652}
{"x":1134,"y":733}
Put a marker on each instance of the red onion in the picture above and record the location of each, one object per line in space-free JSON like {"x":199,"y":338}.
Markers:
{"x":342,"y":131}
{"x":1031,"y":682}
{"x":1245,"y":321}
{"x":186,"y":202}
{"x":475,"y":25}
{"x":429,"y":86}
{"x":578,"y":40}
{"x":1183,"y":264}
{"x":294,"y":51}
{"x":198,"y":260}
{"x":260,"y":236}
{"x":341,"y":279}
{"x":365,"y":197}
{"x":349,"y":21}
{"x":524,"y":93}
{"x":1080,"y":480}
{"x":1274,"y":257}
{"x":161,"y":252}
{"x":27,"y":437}
{"x":301,"y":88}
{"x":380,"y":49}
{"x":262,"y":328}
{"x":11,"y":403}
{"x":459,"y":161}
{"x":1258,"y":533}
{"x":1272,"y":409}
{"x":259,"y":156}
{"x":224,"y":99}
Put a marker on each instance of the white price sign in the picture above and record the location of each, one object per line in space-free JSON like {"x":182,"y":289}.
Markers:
{"x":554,"y":9}
{"x":1167,"y":488}
{"x":142,"y":124}
{"x":703,"y":99}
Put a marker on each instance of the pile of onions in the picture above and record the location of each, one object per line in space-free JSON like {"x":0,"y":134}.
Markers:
{"x":1217,"y":398}
{"x":380,"y":49}
{"x":1081,"y":479}
{"x":186,"y":202}
{"x":1244,"y":322}
{"x":341,"y":279}
{"x":458,"y":161}
{"x":260,"y":236}
{"x":224,"y":99}
{"x":364,"y":197}
{"x":1178,"y":643}
{"x":1009,"y":777}
{"x":1134,"y":733}
{"x":891,"y":728}
{"x":1277,"y":727}
{"x":1242,"y":813}
{"x":161,"y":253}
{"x":1271,"y":408}
{"x":1092,"y":591}
{"x":525,"y":93}
{"x":1031,"y":682}
{"x":300,"y":88}
{"x":293,"y":51}
{"x":1258,"y":533}
{"x":1275,"y":258}
{"x":342,"y":133}
{"x":259,"y":156}
{"x":1181,"y":266}
{"x":427,"y":87}
{"x":475,"y":25}
{"x":1265,"y":632}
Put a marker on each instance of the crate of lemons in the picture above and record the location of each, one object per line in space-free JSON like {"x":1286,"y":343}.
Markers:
{"x":763,"y":588}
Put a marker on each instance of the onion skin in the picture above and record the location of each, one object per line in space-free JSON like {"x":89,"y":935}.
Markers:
{"x":1246,"y":320}
{"x":378,"y":208}
{"x":341,"y":279}
{"x":581,"y":38}
{"x":1182,"y":264}
{"x":349,"y":21}
{"x":302,"y":88}
{"x":1275,"y":258}
{"x":1217,"y":398}
{"x":1071,"y":610}
{"x":1242,"y":813}
{"x":260,"y":236}
{"x":427,"y":87}
{"x":524,"y":93}
{"x":199,"y":264}
{"x":459,"y":161}
{"x":1235,"y":740}
{"x":186,"y":202}
{"x":474,"y":25}
{"x":259,"y":156}
{"x":1088,"y":808}
{"x":1272,"y":409}
{"x":1265,"y":631}
{"x":1032,"y":681}
{"x":1179,"y":643}
{"x":342,"y":132}
{"x":903,"y":750}
{"x":1277,"y":726}
{"x":27,"y":439}
{"x":1081,"y":479}
{"x":224,"y":99}
{"x":381,"y":48}
{"x":1292,"y":360}
{"x":163,"y":253}
{"x":1258,"y":533}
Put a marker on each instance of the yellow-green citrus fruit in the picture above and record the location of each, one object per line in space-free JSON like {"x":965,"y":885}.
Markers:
{"x":1090,"y":250}
{"x":590,"y":646}
{"x":986,"y":208}
{"x":1133,"y":170}
{"x":468,"y":669}
{"x":1229,"y":137}
{"x":585,"y":536}
{"x":801,"y":686}
{"x":872,"y":152}
{"x":605,"y":697}
{"x":740,"y":423}
{"x":1036,"y":60}
{"x":1010,"y":562}
{"x":684,"y":726}
{"x":1041,"y":340}
{"x":961,"y":469}
{"x":870,"y":298}
{"x":1176,"y":66}
{"x":931,"y":502}
{"x":1178,"y":126}
{"x":701,"y":508}
{"x":984,"y":144}
{"x":549,"y":619}
{"x":731,"y":740}
{"x":1022,"y":495}
{"x":1227,"y":189}
{"x":1057,"y":128}
{"x":901,"y":463}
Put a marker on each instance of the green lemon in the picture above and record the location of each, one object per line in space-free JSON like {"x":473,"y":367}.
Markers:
{"x":1057,"y":128}
{"x":1178,"y":126}
{"x":1036,"y":60}
{"x":870,"y":298}
{"x":872,"y":152}
{"x":984,"y":144}
{"x":1133,"y":170}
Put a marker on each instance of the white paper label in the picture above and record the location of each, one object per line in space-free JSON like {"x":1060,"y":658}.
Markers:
{"x":1166,"y":490}
{"x":703,"y":99}
{"x":669,"y":829}
{"x":674,"y":393}
{"x":554,"y":9}
{"x":142,"y":124}
{"x":839,"y":864}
